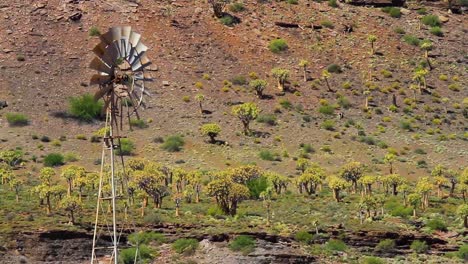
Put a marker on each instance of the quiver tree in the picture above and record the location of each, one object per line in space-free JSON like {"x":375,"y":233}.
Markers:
{"x":179,"y":179}
{"x":352,"y":172}
{"x":337,"y":184}
{"x":325,"y":76}
{"x":200,"y":98}
{"x":15,"y":185}
{"x":368,"y":204}
{"x":372,"y":39}
{"x":211,"y":130}
{"x":281,"y":76}
{"x":227,"y":193}
{"x":71,"y":205}
{"x":45,"y":188}
{"x":439,"y":174}
{"x":304,"y":64}
{"x":151,"y":181}
{"x":393,"y":180}
{"x":218,"y":7}
{"x":414,"y":200}
{"x":367,"y":182}
{"x":404,"y":190}
{"x":440,"y":182}
{"x":463,"y":183}
{"x":420,"y":77}
{"x":12,"y":158}
{"x":70,"y":173}
{"x":194,"y":180}
{"x":5,"y":173}
{"x":278,"y":181}
{"x":426,"y":46}
{"x":389,"y":159}
{"x":311,"y":179}
{"x":424,"y":188}
{"x":366,"y":94}
{"x":246,"y":112}
{"x":259,"y":86}
{"x":462,"y":212}
{"x":302,"y":164}
{"x":266,"y":198}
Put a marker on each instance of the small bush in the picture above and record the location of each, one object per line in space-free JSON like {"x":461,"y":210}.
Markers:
{"x":94,"y":31}
{"x":307,"y":148}
{"x":436,"y":224}
{"x":278,"y":45}
{"x":145,"y":238}
{"x":140,"y":123}
{"x":268,"y":155}
{"x":334,"y":68}
{"x":431,"y":20}
{"x":227,"y":20}
{"x":412,"y":40}
{"x":267,"y":119}
{"x":293,"y":2}
{"x":85,"y":107}
{"x":332,"y":3}
{"x":257,"y":186}
{"x":173,"y":143}
{"x":285,"y":104}
{"x":54,"y":160}
{"x":237,"y":7}
{"x":214,"y":211}
{"x":45,"y":139}
{"x":420,"y":151}
{"x":327,"y":24}
{"x":336,"y":245}
{"x":392,"y":11}
{"x":419,"y":247}
{"x":17,"y":119}
{"x":327,"y":110}
{"x":422,"y":11}
{"x":239,"y":80}
{"x":385,"y":246}
{"x":372,"y":260}
{"x":437,"y":31}
{"x":462,"y":252}
{"x":186,"y":246}
{"x":242,"y":243}
{"x":126,"y":147}
{"x":443,"y":77}
{"x":328,"y":125}
{"x":303,"y":236}
{"x":70,"y":157}
{"x":399,"y":30}
{"x":127,"y":256}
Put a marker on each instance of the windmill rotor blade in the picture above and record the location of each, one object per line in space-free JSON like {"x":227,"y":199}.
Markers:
{"x":99,"y":79}
{"x":143,"y":62}
{"x":111,"y":54}
{"x":102,"y":91}
{"x":134,"y":38}
{"x":100,"y":66}
{"x":133,"y":59}
{"x":116,"y":33}
{"x":126,"y":31}
{"x":100,"y":49}
{"x":146,"y":77}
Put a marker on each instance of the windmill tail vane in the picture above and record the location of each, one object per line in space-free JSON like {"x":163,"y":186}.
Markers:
{"x":120,"y":63}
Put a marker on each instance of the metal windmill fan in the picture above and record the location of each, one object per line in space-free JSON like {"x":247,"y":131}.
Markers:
{"x":120,"y":61}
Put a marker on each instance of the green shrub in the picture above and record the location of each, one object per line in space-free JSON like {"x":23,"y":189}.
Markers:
{"x":406,"y":125}
{"x":293,"y":2}
{"x":327,"y":24}
{"x":392,"y":11}
{"x":17,"y":119}
{"x":239,"y":80}
{"x":173,"y":143}
{"x":343,"y":102}
{"x":431,"y":20}
{"x":237,"y":7}
{"x":126,"y":147}
{"x":53,"y":160}
{"x":85,"y":107}
{"x":285,"y":104}
{"x":278,"y":45}
{"x":186,"y":246}
{"x":242,"y":243}
{"x":307,"y":148}
{"x":385,"y":246}
{"x":327,"y":109}
{"x":419,"y":247}
{"x":94,"y":31}
{"x":70,"y":157}
{"x":214,"y":211}
{"x":267,"y":119}
{"x":412,"y":40}
{"x":436,"y":224}
{"x":328,"y":125}
{"x":462,"y":252}
{"x":422,"y":11}
{"x":332,"y":3}
{"x":257,"y":186}
{"x":303,"y":236}
{"x":227,"y":20}
{"x":145,"y":254}
{"x":372,"y":260}
{"x":336,"y":245}
{"x":399,"y":30}
{"x":144,"y":238}
{"x":140,"y":123}
{"x":268,"y":155}
{"x":401,"y":211}
{"x":437,"y":31}
{"x":334,"y":68}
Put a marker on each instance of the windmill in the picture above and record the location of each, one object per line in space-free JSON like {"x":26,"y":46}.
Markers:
{"x":120,"y":63}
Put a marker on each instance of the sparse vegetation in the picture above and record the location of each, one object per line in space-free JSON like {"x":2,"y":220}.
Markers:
{"x":17,"y":119}
{"x":278,"y":45}
{"x":85,"y":107}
